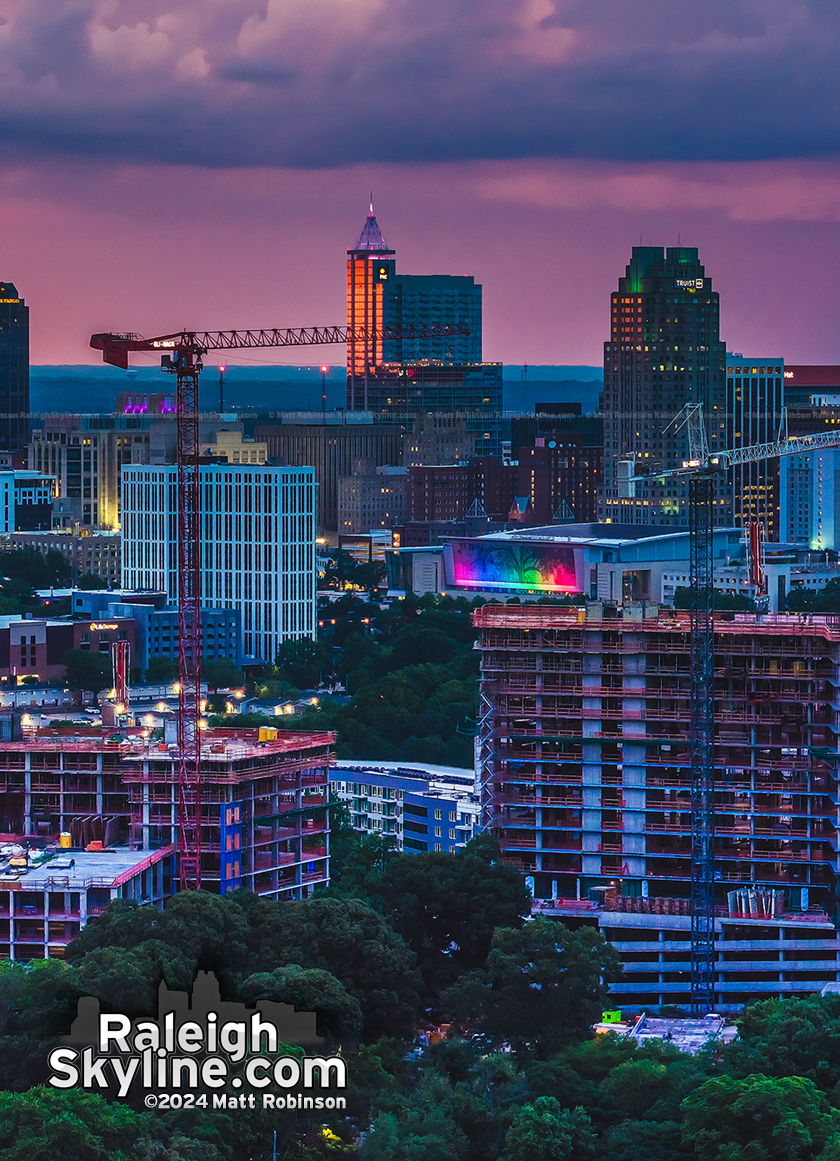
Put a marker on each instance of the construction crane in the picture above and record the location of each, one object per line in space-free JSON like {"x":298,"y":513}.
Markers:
{"x":119,"y":663}
{"x":181,"y":355}
{"x":702,"y":469}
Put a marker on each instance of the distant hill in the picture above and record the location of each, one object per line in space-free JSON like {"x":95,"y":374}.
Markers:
{"x":81,"y":388}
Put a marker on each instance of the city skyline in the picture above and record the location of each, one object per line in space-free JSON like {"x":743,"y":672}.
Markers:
{"x":221,"y":181}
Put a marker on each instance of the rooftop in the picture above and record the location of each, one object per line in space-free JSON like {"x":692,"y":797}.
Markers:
{"x":652,"y":619}
{"x":132,"y":743}
{"x":688,"y":1035}
{"x":80,"y":869}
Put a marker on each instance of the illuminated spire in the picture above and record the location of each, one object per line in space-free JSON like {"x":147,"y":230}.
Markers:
{"x":371,"y":238}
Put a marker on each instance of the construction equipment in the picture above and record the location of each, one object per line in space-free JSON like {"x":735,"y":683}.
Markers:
{"x":181,"y":355}
{"x":701,"y":470}
{"x":119,"y":664}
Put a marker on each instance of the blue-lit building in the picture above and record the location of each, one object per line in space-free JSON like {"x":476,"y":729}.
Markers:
{"x":420,"y":807}
{"x":156,"y":624}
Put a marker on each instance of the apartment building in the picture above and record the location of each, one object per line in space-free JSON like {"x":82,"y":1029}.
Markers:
{"x":417,"y":806}
{"x":585,"y":775}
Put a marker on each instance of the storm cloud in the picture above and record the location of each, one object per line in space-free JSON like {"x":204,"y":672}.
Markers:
{"x":327,"y":83}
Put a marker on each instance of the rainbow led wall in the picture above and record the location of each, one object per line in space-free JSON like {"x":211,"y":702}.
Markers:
{"x":504,"y":564}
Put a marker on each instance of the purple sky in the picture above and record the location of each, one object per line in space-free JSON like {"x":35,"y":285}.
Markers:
{"x":206,"y":163}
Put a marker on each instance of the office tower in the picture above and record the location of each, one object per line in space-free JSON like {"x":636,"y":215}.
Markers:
{"x":378,"y":297}
{"x":258,"y":540}
{"x":809,"y":487}
{"x":330,"y":448}
{"x":755,"y":406}
{"x":585,"y":765}
{"x":14,"y":369}
{"x":370,"y":307}
{"x":559,"y":473}
{"x":401,"y":392}
{"x":664,"y":351}
{"x":430,"y":299}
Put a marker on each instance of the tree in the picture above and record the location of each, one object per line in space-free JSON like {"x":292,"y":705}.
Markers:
{"x":734,"y":602}
{"x":161,"y":669}
{"x":221,"y":671}
{"x":310,"y":990}
{"x":646,"y":1141}
{"x":45,"y":1123}
{"x":87,"y":671}
{"x":127,"y":979}
{"x":303,"y":662}
{"x":543,"y":987}
{"x":350,"y":940}
{"x":758,"y":1118}
{"x":90,"y":581}
{"x":791,"y":1037}
{"x":544,"y":1131}
{"x":418,"y":1134}
{"x":345,"y":570}
{"x":447,"y":906}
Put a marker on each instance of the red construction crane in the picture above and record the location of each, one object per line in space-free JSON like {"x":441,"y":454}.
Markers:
{"x":181,"y":355}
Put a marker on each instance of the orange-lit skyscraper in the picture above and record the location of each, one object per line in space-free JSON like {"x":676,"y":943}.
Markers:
{"x":378,"y":297}
{"x":370,"y":277}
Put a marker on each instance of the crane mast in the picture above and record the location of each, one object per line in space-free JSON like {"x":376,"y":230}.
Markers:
{"x":701,"y":470}
{"x":181,"y":354}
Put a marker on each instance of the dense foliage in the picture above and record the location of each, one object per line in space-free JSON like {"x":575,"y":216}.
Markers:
{"x":396,"y":945}
{"x":404,"y":679}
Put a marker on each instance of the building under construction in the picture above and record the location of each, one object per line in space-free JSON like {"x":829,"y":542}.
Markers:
{"x":585,"y":769}
{"x":263,"y":800}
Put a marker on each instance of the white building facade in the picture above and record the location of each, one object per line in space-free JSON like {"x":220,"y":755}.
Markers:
{"x":258,"y":545}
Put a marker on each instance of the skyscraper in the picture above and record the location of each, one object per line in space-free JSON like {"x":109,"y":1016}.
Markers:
{"x":14,"y":369}
{"x":370,"y":306}
{"x":755,"y":394}
{"x":664,"y":351}
{"x":378,"y":297}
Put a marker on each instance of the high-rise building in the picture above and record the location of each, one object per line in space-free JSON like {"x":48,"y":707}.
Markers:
{"x":370,"y":307}
{"x":258,"y":545}
{"x":755,"y":405}
{"x":14,"y":369}
{"x":472,"y":392}
{"x":378,"y":297}
{"x":429,"y":299}
{"x":585,"y":764}
{"x":664,"y":351}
